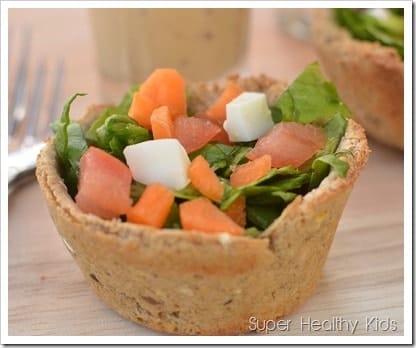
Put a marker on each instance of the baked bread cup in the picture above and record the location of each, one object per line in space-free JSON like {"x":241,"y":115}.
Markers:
{"x":197,"y":283}
{"x":368,"y":76}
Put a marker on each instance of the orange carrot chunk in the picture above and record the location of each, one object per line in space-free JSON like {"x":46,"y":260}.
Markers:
{"x":246,"y":173}
{"x":164,"y":87}
{"x":141,"y":109}
{"x":204,"y":179}
{"x":104,"y":184}
{"x":162,"y":124}
{"x":167,"y":87}
{"x":217,"y":111}
{"x":153,"y":206}
{"x":237,"y":211}
{"x":202,"y":215}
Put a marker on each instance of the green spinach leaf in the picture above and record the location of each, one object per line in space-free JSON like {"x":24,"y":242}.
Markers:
{"x":274,"y":190}
{"x":124,"y":106}
{"x":70,"y":145}
{"x":121,"y":109}
{"x":252,"y":232}
{"x":222,"y":158}
{"x":230,"y":195}
{"x":340,"y":167}
{"x":335,"y":130}
{"x":91,"y":133}
{"x":119,"y":131}
{"x":261,"y":216}
{"x":187,"y":193}
{"x":136,"y":190}
{"x":173,"y":220}
{"x":272,"y":197}
{"x":287,"y":184}
{"x":311,"y":99}
{"x":276,"y":114}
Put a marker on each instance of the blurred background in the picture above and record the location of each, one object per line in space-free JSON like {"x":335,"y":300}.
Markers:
{"x":90,"y":43}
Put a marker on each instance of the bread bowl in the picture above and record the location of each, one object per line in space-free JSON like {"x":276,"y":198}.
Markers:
{"x":197,"y":283}
{"x":368,"y":76}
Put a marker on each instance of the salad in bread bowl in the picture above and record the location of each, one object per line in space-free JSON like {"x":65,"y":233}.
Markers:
{"x":362,"y":51}
{"x":191,"y":207}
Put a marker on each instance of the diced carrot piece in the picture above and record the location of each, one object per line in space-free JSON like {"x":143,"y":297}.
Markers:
{"x":104,"y":184}
{"x":217,"y":111}
{"x":167,"y":87}
{"x":237,"y":211}
{"x":193,"y":132}
{"x":202,"y":215}
{"x":162,"y":124}
{"x":204,"y":179}
{"x":246,"y":173}
{"x":164,"y":87}
{"x":153,"y":206}
{"x":141,"y":109}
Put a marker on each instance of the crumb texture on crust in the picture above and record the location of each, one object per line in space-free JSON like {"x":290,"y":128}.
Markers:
{"x":368,"y":76}
{"x":193,"y":283}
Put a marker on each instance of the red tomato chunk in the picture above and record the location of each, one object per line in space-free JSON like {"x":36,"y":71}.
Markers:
{"x":104,"y":185}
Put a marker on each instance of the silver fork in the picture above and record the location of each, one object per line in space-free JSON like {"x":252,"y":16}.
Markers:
{"x":24,"y":115}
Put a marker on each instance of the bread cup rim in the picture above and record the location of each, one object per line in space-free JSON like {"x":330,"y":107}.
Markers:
{"x":326,"y":31}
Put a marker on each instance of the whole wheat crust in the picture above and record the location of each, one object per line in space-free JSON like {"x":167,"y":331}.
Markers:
{"x":197,"y":283}
{"x":368,"y":76}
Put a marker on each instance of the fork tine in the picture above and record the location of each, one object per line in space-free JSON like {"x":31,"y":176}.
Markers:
{"x":56,"y":96}
{"x":34,"y":105}
{"x":26,"y":105}
{"x":17,"y":106}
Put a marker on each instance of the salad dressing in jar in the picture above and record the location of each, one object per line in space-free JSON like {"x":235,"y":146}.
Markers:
{"x":204,"y":44}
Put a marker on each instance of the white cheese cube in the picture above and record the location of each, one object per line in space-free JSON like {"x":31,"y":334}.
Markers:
{"x":163,"y":160}
{"x":248,"y":117}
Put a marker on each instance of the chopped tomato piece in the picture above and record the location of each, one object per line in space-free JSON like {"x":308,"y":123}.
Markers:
{"x":222,"y":137}
{"x":104,"y":185}
{"x":289,"y":144}
{"x":194,"y":132}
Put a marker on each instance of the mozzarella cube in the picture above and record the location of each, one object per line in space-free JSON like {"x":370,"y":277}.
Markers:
{"x":248,"y":117}
{"x":163,"y":160}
